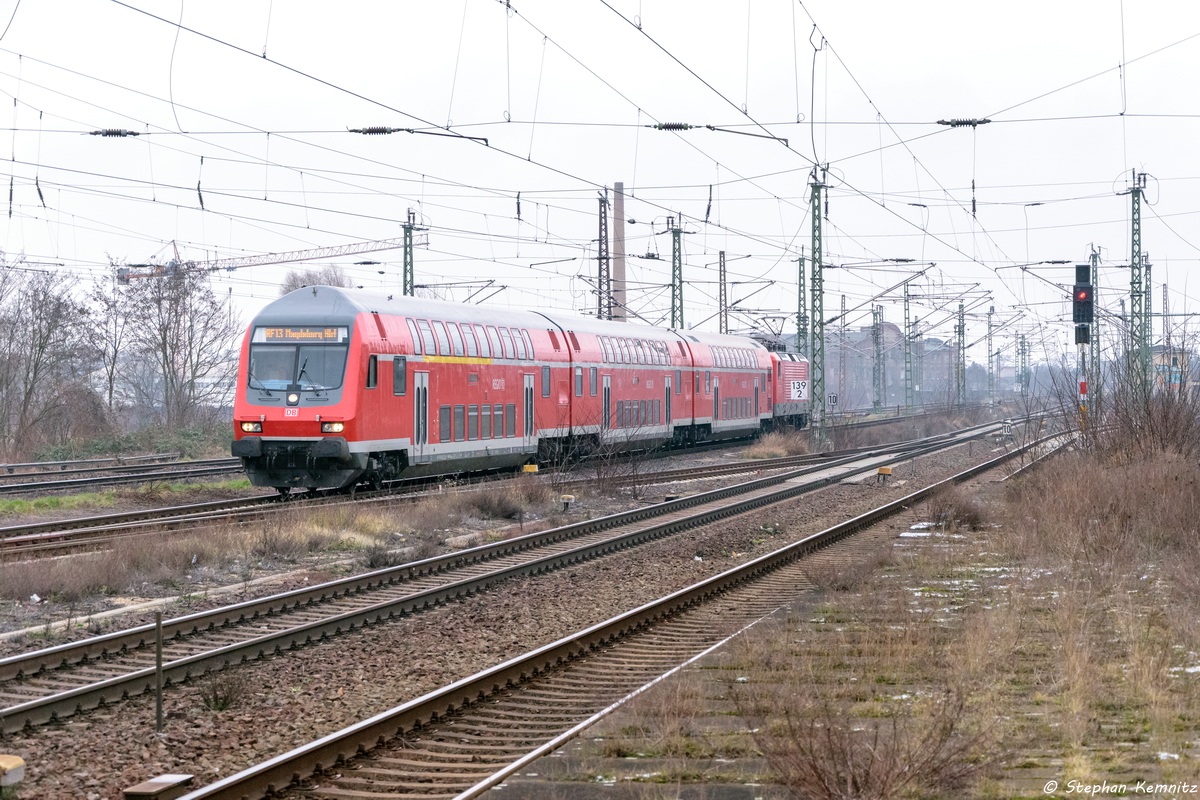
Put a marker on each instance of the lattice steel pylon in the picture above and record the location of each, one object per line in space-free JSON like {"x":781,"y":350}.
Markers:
{"x":1023,"y":365}
{"x":1139,"y":291}
{"x":1095,"y":376}
{"x":909,"y":397}
{"x":604,"y":299}
{"x":722,"y":298}
{"x":960,"y":359}
{"x":877,"y":374}
{"x":842,"y":389}
{"x":991,"y":357}
{"x":676,"y":274}
{"x":801,"y":312}
{"x":817,"y":298}
{"x":407,"y":281}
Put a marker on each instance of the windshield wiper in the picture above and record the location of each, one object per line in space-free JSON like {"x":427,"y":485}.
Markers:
{"x":300,"y":375}
{"x":261,"y":387}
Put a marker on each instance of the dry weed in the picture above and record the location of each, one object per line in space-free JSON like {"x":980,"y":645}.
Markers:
{"x":779,"y":444}
{"x":954,"y":506}
{"x":860,"y":710}
{"x":830,"y":573}
{"x":223,"y":690}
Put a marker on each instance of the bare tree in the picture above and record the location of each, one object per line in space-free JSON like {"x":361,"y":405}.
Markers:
{"x":43,"y":358}
{"x":109,"y":335}
{"x":324,"y":275}
{"x":189,"y":336}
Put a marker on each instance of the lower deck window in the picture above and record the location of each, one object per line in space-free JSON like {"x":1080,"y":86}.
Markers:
{"x":498,"y":423}
{"x":472,"y":422}
{"x":485,"y":421}
{"x":444,"y":423}
{"x":510,"y":420}
{"x":460,"y":418}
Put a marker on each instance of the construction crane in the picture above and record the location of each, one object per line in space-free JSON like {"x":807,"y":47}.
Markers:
{"x":130,"y":271}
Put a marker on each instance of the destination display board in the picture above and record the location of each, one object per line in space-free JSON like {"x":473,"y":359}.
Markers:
{"x":307,"y":334}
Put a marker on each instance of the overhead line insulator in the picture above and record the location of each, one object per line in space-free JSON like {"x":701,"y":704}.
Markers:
{"x":113,"y":132}
{"x":963,"y":123}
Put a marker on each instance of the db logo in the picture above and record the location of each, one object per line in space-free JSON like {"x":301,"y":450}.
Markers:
{"x":291,"y":412}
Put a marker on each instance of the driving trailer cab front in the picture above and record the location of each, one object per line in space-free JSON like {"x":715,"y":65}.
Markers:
{"x":295,"y":404}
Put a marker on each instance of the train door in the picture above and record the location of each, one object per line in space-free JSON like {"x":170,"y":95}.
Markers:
{"x":530,"y":439}
{"x":420,"y":415}
{"x":607,"y":403}
{"x":716,"y":398}
{"x":755,"y":415}
{"x":667,"y":399}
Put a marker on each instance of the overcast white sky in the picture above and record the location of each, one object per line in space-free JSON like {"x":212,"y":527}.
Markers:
{"x":249,"y":102}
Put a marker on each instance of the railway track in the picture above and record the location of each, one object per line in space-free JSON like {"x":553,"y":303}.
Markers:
{"x":159,"y":473}
{"x":133,"y":470}
{"x":61,"y":681}
{"x":65,"y":536}
{"x":466,"y":739}
{"x":84,"y":465}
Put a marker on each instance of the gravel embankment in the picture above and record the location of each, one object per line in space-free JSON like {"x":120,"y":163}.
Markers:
{"x":298,"y":697}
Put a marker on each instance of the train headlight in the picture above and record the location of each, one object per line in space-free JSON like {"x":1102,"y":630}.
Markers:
{"x":332,"y":427}
{"x":293,"y":398}
{"x":252,"y":427}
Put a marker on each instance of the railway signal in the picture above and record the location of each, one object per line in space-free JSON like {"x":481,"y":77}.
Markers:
{"x":1082,"y":304}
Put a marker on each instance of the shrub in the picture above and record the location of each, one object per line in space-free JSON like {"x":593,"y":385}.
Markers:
{"x":955,"y":506}
{"x":223,"y":690}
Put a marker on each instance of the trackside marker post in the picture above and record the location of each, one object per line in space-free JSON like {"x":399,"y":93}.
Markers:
{"x":12,"y":772}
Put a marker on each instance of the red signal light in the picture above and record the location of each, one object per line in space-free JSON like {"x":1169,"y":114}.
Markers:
{"x":1083,"y":297}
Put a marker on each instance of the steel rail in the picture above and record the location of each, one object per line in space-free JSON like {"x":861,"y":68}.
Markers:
{"x":280,"y":772}
{"x":70,"y":702}
{"x":67,"y":535}
{"x":221,"y":506}
{"x":67,"y":465}
{"x":116,"y":480}
{"x":98,"y":646}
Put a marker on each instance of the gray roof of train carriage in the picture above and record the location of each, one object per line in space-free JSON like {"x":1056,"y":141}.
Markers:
{"x":327,"y":305}
{"x":609,"y":328}
{"x":323,"y":305}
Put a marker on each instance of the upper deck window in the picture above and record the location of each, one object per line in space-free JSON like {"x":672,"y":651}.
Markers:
{"x":506,"y":337}
{"x":439,"y":330}
{"x":484,"y":350}
{"x":494,"y":338}
{"x":427,"y":337}
{"x":456,"y":339}
{"x":416,"y":337}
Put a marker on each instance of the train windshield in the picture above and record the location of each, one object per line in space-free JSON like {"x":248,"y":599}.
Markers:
{"x":308,"y":359}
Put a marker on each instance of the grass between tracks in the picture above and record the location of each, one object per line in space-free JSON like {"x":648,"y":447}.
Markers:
{"x":1046,"y":631}
{"x":142,"y":495}
{"x":357,"y":537}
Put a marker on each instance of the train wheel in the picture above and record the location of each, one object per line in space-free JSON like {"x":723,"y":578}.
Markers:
{"x":284,"y":491}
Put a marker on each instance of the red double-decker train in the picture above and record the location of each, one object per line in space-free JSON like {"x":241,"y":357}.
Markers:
{"x":340,"y":386}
